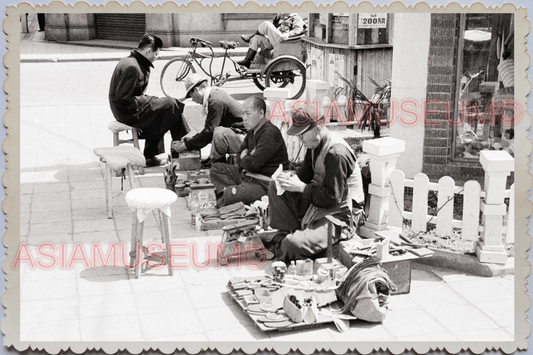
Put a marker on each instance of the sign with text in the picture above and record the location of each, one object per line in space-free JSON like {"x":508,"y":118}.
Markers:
{"x":372,"y":21}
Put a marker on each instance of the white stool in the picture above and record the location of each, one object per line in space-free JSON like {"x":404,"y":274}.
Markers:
{"x":117,"y":159}
{"x":142,"y":201}
{"x":117,"y":127}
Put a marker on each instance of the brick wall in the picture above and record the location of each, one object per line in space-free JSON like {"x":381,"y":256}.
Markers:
{"x":442,"y":77}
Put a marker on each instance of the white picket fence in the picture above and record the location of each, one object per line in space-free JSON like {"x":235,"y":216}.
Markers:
{"x":444,"y":220}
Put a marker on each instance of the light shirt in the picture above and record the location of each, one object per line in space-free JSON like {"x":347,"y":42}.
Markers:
{"x":206,"y":98}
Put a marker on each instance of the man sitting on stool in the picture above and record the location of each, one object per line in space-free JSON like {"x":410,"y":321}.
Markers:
{"x":153,"y":116}
{"x":269,"y":34}
{"x":261,"y":153}
{"x":223,"y":124}
{"x":328,"y":183}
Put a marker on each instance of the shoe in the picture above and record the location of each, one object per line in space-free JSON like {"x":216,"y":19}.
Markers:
{"x":247,"y":38}
{"x":247,"y":61}
{"x":206,"y":163}
{"x":270,"y":255}
{"x":151,"y":162}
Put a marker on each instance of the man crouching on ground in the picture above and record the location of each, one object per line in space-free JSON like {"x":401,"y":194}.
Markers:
{"x":261,"y":153}
{"x":328,"y":183}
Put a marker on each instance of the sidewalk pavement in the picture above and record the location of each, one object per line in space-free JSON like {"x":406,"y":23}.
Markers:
{"x":62,"y":200}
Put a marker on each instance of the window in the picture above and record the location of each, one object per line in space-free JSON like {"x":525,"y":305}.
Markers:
{"x":484,"y":115}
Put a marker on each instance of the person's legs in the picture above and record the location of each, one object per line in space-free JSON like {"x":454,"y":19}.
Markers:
{"x":41,"y":20}
{"x":268,"y":29}
{"x":256,"y":42}
{"x":152,"y":148}
{"x":225,"y":141}
{"x":287,"y":210}
{"x":224,"y":175}
{"x":162,"y":115}
{"x":303,"y":244}
{"x":247,"y":192}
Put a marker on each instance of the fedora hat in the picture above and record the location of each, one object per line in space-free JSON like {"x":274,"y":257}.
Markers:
{"x":191,"y":82}
{"x":302,"y":120}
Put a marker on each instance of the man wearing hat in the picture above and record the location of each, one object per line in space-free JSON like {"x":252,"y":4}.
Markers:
{"x":223,"y":123}
{"x":154,"y":116}
{"x":327,"y":183}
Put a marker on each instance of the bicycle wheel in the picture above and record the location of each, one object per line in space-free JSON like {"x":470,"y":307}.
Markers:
{"x":287,"y":73}
{"x":259,"y":81}
{"x":172,"y":77}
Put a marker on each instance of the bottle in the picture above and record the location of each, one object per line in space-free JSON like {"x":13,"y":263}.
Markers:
{"x":300,"y":267}
{"x":308,"y":269}
{"x":292,"y":268}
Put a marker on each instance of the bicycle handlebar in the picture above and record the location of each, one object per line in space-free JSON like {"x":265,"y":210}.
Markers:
{"x":202,"y":42}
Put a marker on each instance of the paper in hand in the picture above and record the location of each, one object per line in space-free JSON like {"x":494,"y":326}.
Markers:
{"x":280,"y":190}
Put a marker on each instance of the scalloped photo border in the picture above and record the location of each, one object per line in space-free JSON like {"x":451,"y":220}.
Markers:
{"x":10,"y":325}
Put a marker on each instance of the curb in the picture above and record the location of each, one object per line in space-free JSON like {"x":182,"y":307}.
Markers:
{"x":165,"y":54}
{"x":466,"y":263}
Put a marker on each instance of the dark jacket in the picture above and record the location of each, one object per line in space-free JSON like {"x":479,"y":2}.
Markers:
{"x":128,"y":84}
{"x":222,"y":110}
{"x":154,"y":116}
{"x":267,"y":150}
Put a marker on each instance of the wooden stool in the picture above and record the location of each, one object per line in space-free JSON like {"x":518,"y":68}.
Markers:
{"x":118,"y":158}
{"x":117,"y":127}
{"x":142,"y":202}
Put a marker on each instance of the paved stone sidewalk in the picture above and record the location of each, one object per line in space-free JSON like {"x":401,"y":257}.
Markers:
{"x":63,"y":201}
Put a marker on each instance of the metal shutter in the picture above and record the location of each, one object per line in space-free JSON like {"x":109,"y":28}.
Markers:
{"x":122,"y":27}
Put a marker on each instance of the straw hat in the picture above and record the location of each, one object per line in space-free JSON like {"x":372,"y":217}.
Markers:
{"x":191,"y":82}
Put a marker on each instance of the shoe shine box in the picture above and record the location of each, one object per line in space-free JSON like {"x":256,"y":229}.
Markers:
{"x":188,"y":160}
{"x":202,"y":196}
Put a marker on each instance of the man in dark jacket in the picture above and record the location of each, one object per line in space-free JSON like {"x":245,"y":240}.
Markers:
{"x":327,"y":183}
{"x":152,"y":115}
{"x":261,"y":153}
{"x":223,"y":123}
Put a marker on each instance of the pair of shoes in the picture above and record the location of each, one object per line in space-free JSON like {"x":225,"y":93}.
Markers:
{"x":151,"y":162}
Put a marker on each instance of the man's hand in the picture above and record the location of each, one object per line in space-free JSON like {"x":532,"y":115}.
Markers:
{"x":291,"y":182}
{"x":285,"y":36}
{"x":178,"y":146}
{"x":244,"y":153}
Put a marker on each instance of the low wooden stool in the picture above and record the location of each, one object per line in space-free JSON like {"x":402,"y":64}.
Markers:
{"x":117,"y":127}
{"x":142,"y":201}
{"x":119,"y":158}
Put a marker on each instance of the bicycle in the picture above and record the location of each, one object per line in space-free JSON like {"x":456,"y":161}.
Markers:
{"x":285,"y":70}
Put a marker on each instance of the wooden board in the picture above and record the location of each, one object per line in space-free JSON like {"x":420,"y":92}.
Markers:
{"x":295,"y":326}
{"x":202,"y":225}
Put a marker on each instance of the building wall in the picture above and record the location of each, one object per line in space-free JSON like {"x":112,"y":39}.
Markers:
{"x":175,"y":29}
{"x":442,"y":86}
{"x":409,"y":82}
{"x":69,"y":27}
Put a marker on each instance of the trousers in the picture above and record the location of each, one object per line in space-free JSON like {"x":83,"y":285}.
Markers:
{"x":225,"y":140}
{"x":233,"y":186}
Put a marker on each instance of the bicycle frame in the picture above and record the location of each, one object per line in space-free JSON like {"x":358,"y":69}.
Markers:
{"x":217,"y":79}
